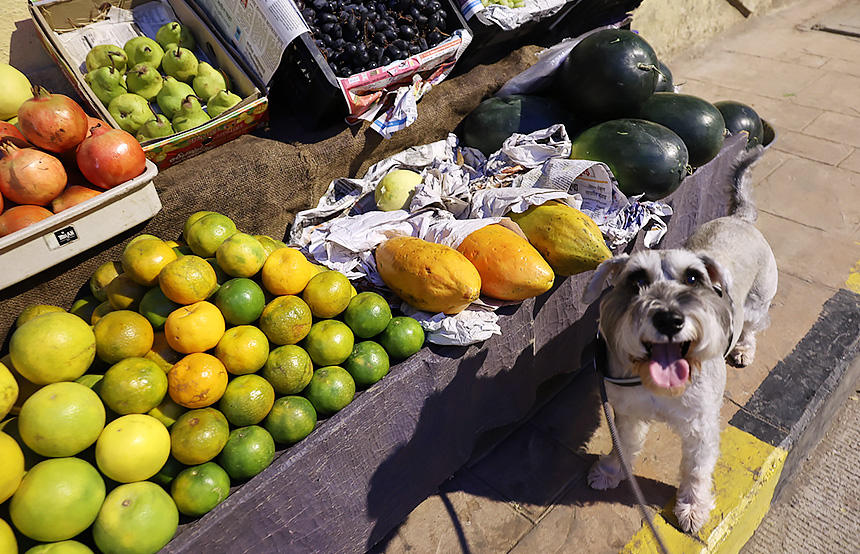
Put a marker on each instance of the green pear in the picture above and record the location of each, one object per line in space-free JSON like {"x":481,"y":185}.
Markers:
{"x":130,"y":111}
{"x":143,"y":50}
{"x":208,"y":81}
{"x":155,"y":128}
{"x":220,"y":102}
{"x":145,"y":80}
{"x":180,"y":63}
{"x":175,"y":33}
{"x":171,"y":95}
{"x":106,"y":55}
{"x":106,"y":82}
{"x":190,"y":115}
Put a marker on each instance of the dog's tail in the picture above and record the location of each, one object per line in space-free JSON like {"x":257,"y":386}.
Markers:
{"x":743,"y":206}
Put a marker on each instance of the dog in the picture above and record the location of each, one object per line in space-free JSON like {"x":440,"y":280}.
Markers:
{"x":672,"y":318}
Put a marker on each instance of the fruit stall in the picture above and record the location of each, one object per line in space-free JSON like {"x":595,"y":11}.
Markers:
{"x":286,"y":340}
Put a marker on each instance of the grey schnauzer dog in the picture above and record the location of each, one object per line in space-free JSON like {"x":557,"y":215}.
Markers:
{"x":670,"y":320}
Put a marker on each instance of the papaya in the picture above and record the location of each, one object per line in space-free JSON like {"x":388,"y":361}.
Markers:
{"x":510,"y":267}
{"x":428,"y":276}
{"x":568,"y":239}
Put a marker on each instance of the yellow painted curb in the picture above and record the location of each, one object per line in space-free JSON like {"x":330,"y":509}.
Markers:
{"x":744,"y":480}
{"x":853,"y":282}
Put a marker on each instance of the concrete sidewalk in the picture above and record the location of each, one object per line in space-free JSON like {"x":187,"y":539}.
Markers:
{"x":528,"y":493}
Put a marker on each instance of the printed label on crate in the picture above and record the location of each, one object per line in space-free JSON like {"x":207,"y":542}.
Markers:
{"x":61,"y":237}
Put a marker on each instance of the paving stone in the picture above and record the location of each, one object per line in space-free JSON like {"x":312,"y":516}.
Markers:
{"x":768,"y":163}
{"x":818,"y":149}
{"x":574,"y":414}
{"x":852,"y":162}
{"x":834,"y":65}
{"x":833,"y":92}
{"x":836,"y":127}
{"x":779,"y":45}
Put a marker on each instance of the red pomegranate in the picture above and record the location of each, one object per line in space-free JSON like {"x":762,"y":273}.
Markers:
{"x":30,"y":176}
{"x":53,"y":122}
{"x":110,"y":157}
{"x":19,"y":217}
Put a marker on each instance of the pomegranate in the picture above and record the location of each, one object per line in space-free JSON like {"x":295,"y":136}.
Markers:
{"x":19,"y":217}
{"x":94,"y":122}
{"x":30,"y":176}
{"x":11,"y":133}
{"x":110,"y":157}
{"x":53,"y":122}
{"x":72,"y":196}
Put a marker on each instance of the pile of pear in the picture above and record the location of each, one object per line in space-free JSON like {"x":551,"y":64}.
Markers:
{"x":127,"y":79}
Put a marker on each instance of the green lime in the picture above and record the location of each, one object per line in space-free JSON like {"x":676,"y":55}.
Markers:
{"x":197,"y":490}
{"x":241,"y":301}
{"x":155,"y":307}
{"x":248,"y":451}
{"x":84,"y":307}
{"x":289,"y":369}
{"x":292,"y":418}
{"x":330,"y":389}
{"x":133,"y":386}
{"x":367,"y":314}
{"x":402,"y":337}
{"x":247,"y":400}
{"x":367,"y":364}
{"x":329,"y":342}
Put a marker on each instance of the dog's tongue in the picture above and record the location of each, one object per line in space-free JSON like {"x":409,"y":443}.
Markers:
{"x":667,"y":367}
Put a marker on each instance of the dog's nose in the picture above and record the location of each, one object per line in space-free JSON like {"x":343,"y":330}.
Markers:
{"x":668,"y":322}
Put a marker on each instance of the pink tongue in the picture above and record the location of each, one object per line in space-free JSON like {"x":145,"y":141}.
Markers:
{"x":667,"y":367}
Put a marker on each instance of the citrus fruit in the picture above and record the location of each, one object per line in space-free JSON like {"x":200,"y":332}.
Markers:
{"x":137,"y":518}
{"x":243,"y":349}
{"x":192,"y":219}
{"x":8,"y":542}
{"x":55,"y":347}
{"x":197,"y":490}
{"x":241,"y":301}
{"x":26,"y":389}
{"x":35,"y":310}
{"x":167,"y":412}
{"x":143,"y":260}
{"x":367,"y":314}
{"x":207,"y":233}
{"x":286,"y":271}
{"x":102,"y":277}
{"x":330,"y":390}
{"x":132,"y":448}
{"x":247,"y":400}
{"x":122,"y":334}
{"x":241,"y":255}
{"x":197,"y":380}
{"x":198,"y":436}
{"x":268,"y":243}
{"x":61,"y":419}
{"x":162,"y":354}
{"x":286,"y":320}
{"x":124,"y":294}
{"x":57,"y":499}
{"x":194,"y":328}
{"x":327,"y":293}
{"x":155,"y":307}
{"x":291,"y":419}
{"x":318,"y":268}
{"x":289,"y":369}
{"x":100,"y":312}
{"x":8,"y":391}
{"x":133,"y":386}
{"x":329,"y":342}
{"x":62,"y":547}
{"x":187,"y":280}
{"x":367,"y":364}
{"x":221,"y":276}
{"x":11,"y":466}
{"x":182,"y":250}
{"x":91,"y":381}
{"x":248,"y":451}
{"x":84,"y":307}
{"x":142,"y":236}
{"x":402,"y":337}
{"x":168,"y":472}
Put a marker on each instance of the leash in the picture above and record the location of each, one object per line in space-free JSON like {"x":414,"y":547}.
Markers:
{"x":599,"y":366}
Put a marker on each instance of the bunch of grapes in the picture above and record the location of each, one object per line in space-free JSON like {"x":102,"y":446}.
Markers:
{"x":355,"y":36}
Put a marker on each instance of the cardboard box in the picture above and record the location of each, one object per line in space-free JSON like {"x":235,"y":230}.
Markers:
{"x":70,"y":232}
{"x":53,"y":17}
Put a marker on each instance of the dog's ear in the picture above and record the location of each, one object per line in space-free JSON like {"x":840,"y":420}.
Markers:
{"x":604,"y":272}
{"x":719,"y":276}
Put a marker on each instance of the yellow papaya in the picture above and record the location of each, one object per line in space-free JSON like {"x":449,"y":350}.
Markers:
{"x":510,"y":267}
{"x":428,"y":276}
{"x":567,"y":238}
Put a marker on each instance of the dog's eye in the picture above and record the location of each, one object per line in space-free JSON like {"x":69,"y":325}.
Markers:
{"x":638,"y":280}
{"x":692,"y":277}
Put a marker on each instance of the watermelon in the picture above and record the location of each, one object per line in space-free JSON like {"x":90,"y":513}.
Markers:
{"x":699,"y":124}
{"x":609,"y":74}
{"x":646,"y":158}
{"x":497,"y":118}
{"x":740,"y":117}
{"x":664,"y":79}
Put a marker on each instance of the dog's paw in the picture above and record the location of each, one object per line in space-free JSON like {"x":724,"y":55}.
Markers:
{"x":692,"y":516}
{"x":742,"y":355}
{"x":603,"y":476}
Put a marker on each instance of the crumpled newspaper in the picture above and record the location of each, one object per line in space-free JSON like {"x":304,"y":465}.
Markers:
{"x":507,"y":19}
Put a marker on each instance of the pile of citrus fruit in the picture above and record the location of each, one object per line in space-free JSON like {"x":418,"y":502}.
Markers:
{"x":175,"y":380}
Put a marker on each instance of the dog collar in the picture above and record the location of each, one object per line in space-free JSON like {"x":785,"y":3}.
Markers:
{"x":600,"y":365}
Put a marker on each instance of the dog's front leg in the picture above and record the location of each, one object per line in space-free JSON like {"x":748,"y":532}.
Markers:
{"x":607,"y":473}
{"x":701,"y":448}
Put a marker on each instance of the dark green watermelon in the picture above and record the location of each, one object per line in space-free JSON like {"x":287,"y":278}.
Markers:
{"x":608,"y":75}
{"x":495,"y":119}
{"x":645,"y":157}
{"x":740,"y":117}
{"x":699,"y":124}
{"x":664,"y":79}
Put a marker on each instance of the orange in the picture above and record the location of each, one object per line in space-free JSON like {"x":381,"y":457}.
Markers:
{"x":9,"y":390}
{"x":329,"y":342}
{"x":100,"y":311}
{"x":367,"y":314}
{"x":367,"y":364}
{"x":155,"y":307}
{"x":124,"y":294}
{"x":198,"y":436}
{"x":143,"y":260}
{"x":327,"y":293}
{"x":132,"y":448}
{"x":402,"y":337}
{"x":286,"y":271}
{"x":331,"y":389}
{"x":243,"y":349}
{"x":35,"y":310}
{"x":133,"y":386}
{"x":11,"y":466}
{"x":122,"y":334}
{"x":187,"y":280}
{"x":268,"y":243}
{"x":286,"y":320}
{"x":167,"y":412}
{"x":53,"y":347}
{"x":207,"y":233}
{"x":102,"y":277}
{"x":241,"y":301}
{"x":291,"y":419}
{"x":192,"y":219}
{"x":241,"y":255}
{"x":142,"y":236}
{"x":62,"y":547}
{"x":288,"y":369}
{"x":194,"y":328}
{"x":57,"y":499}
{"x":136,"y":518}
{"x":248,"y":451}
{"x":247,"y":400}
{"x":84,"y":307}
{"x":197,"y":380}
{"x":61,"y":419}
{"x":8,"y":542}
{"x":197,"y":490}
{"x":162,"y":354}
